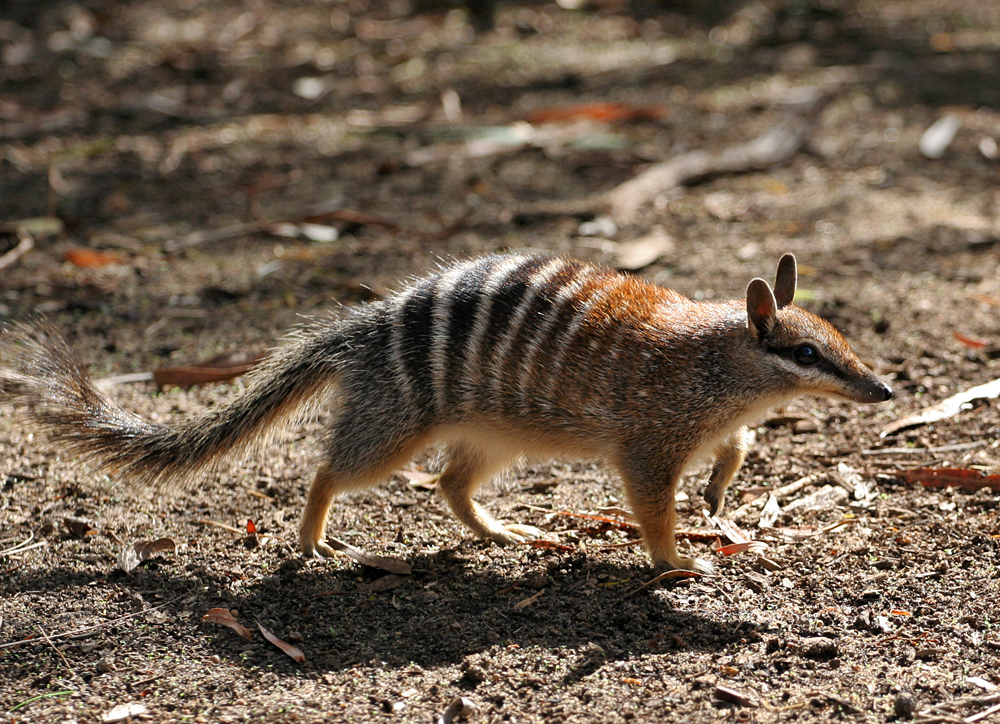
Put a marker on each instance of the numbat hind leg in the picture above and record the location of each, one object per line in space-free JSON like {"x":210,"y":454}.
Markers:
{"x":335,"y":478}
{"x":468,"y":468}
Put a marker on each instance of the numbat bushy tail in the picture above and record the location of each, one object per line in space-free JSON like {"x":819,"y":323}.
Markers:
{"x":496,"y":357}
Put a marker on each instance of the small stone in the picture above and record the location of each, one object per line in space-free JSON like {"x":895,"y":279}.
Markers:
{"x":905,"y":705}
{"x":939,"y":136}
{"x":474,"y":675}
{"x":818,"y":647}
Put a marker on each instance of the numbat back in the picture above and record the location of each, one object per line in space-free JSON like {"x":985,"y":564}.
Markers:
{"x":494,"y":358}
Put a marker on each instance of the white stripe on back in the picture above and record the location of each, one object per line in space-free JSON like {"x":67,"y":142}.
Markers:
{"x":536,"y":285}
{"x":472,"y":368}
{"x":444,"y":300}
{"x":566,"y":339}
{"x":396,"y":352}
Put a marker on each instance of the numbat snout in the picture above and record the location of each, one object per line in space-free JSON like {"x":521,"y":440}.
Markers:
{"x":494,"y":358}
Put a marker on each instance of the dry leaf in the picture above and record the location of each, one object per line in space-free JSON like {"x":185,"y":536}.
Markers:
{"x":969,"y":341}
{"x":946,"y":408}
{"x":124,"y":712}
{"x":964,"y":478}
{"x":131,"y":556}
{"x":673,"y":573}
{"x":458,"y":708}
{"x":600,"y":112}
{"x":640,"y":253}
{"x":90,"y":258}
{"x":294,"y":652}
{"x":732,"y":548}
{"x":78,"y":527}
{"x":385,"y":583}
{"x":552,"y":546}
{"x":529,"y":600}
{"x":420,"y":478}
{"x":223,"y":617}
{"x":391,"y":565}
{"x":220,"y":368}
{"x":733,"y":696}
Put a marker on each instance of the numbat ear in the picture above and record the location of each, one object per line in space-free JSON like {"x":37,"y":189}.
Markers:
{"x":784,"y":281}
{"x":761,"y":308}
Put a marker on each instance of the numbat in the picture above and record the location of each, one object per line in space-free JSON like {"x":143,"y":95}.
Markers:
{"x":496,"y":357}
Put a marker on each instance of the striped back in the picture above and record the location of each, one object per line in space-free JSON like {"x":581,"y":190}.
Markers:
{"x":499,"y":334}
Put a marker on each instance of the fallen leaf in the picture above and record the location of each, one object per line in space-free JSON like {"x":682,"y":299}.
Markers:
{"x":78,"y":527}
{"x":90,"y":258}
{"x":946,"y":408}
{"x":964,"y":478}
{"x":420,"y":478}
{"x":524,"y":603}
{"x":292,"y":651}
{"x":969,"y":341}
{"x":640,"y":253}
{"x":221,"y":368}
{"x":552,"y":546}
{"x":458,"y":708}
{"x":619,"y":524}
{"x":939,"y":135}
{"x":385,"y":583}
{"x":600,"y":112}
{"x":673,"y":573}
{"x":131,"y":556}
{"x":124,"y":712}
{"x":391,"y":565}
{"x":224,"y":617}
{"x":734,"y":548}
{"x":733,"y":696}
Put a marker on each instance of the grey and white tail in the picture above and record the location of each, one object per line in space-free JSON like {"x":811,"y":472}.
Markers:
{"x":39,"y":370}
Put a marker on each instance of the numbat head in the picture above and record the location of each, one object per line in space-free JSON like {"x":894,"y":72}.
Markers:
{"x":494,"y":358}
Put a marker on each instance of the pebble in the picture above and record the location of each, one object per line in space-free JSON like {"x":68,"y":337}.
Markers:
{"x":939,"y":136}
{"x":818,"y":647}
{"x":905,"y":705}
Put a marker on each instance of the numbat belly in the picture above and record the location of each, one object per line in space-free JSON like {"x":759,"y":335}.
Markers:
{"x":494,"y":358}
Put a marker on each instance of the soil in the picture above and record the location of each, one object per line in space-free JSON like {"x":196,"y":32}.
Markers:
{"x":138,"y":124}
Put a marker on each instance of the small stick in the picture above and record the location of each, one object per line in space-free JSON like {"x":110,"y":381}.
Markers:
{"x":87,"y":629}
{"x":25,"y":244}
{"x":777,"y":494}
{"x":61,"y":654}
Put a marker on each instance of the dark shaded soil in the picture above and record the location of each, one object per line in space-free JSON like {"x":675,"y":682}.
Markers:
{"x":137,"y":124}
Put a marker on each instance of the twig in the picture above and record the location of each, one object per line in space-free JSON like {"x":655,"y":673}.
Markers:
{"x":777,"y":494}
{"x":87,"y":629}
{"x":62,"y":656}
{"x":776,"y":146}
{"x":226,"y":232}
{"x":25,"y":244}
{"x":983,"y":714}
{"x":954,"y":447}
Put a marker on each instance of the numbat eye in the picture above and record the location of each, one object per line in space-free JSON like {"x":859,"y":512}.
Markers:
{"x":805,"y":355}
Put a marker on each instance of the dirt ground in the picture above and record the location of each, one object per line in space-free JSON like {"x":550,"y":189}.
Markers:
{"x":171,"y":137}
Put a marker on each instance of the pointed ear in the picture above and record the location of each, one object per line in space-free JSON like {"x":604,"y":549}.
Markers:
{"x":784,"y":281}
{"x":761,"y":308}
